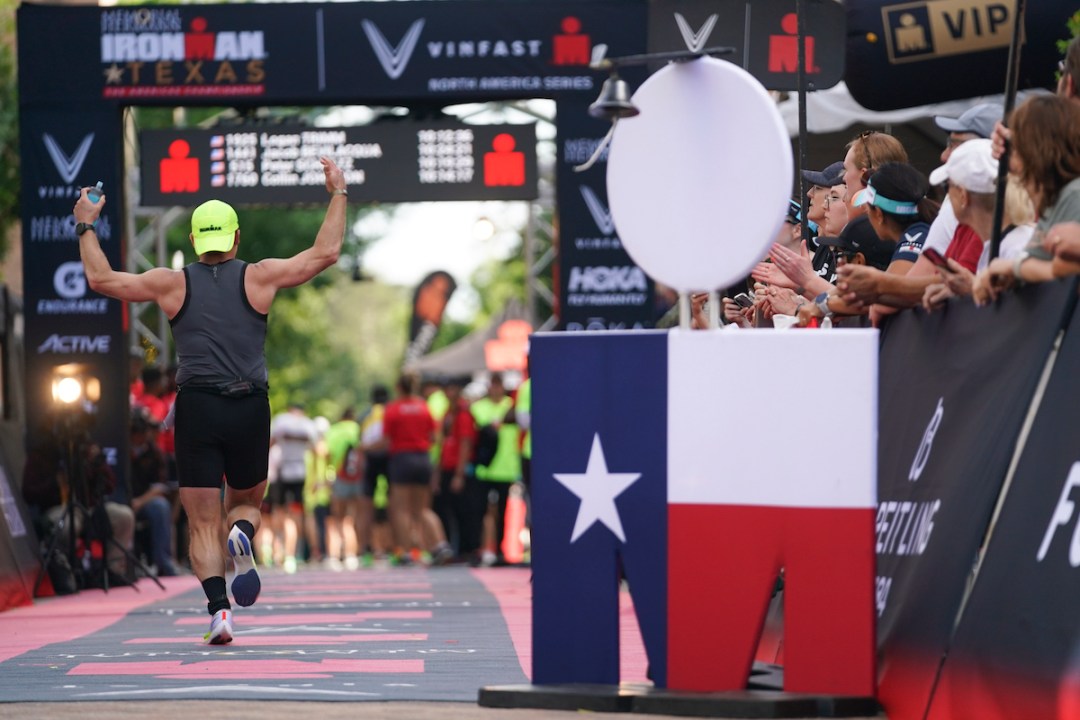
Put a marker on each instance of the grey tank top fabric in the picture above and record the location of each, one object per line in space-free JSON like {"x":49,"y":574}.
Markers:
{"x":219,"y":336}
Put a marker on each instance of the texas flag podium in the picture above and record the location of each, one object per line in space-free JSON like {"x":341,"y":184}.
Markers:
{"x":697,"y":465}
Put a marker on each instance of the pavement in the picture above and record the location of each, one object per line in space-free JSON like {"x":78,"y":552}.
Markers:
{"x":414,"y":644}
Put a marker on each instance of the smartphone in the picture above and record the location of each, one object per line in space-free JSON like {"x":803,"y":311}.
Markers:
{"x":743,"y":300}
{"x":937,"y":259}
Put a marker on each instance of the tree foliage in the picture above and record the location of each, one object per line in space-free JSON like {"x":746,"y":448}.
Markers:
{"x":9,"y":124}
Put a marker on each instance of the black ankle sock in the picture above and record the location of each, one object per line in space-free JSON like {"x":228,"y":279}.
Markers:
{"x":246,"y":528}
{"x":214,"y":587}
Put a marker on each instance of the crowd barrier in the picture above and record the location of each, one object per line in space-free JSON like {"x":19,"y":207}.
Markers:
{"x":975,"y":524}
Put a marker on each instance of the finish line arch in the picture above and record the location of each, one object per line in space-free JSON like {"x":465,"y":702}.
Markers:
{"x":289,"y":54}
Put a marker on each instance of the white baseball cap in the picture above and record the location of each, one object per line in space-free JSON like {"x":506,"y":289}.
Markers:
{"x":971,"y":166}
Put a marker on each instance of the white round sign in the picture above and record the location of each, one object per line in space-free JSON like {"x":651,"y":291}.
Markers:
{"x":699,"y":182}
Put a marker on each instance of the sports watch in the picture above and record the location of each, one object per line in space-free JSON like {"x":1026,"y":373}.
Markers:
{"x":80,"y":228}
{"x":822,"y":302}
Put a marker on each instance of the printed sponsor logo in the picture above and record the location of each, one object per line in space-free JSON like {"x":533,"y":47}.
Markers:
{"x":600,"y":213}
{"x":600,"y":323}
{"x":599,"y":285}
{"x":937,"y":28}
{"x":68,"y":166}
{"x":61,"y":228}
{"x":69,"y":282}
{"x":393,"y":58}
{"x":696,"y":39}
{"x":922,"y":455}
{"x":150,"y":53}
{"x":68,"y":344}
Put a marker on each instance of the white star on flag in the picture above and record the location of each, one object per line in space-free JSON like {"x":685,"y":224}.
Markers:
{"x":597,"y":489}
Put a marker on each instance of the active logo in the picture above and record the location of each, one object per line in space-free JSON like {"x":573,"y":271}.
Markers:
{"x":393,"y":58}
{"x":68,"y":166}
{"x":69,"y":344}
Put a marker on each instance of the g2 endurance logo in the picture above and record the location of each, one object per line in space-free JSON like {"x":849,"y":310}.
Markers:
{"x":69,"y":282}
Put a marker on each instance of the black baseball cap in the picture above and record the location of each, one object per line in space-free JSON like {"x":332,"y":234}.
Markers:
{"x":859,"y":236}
{"x":832,"y":175}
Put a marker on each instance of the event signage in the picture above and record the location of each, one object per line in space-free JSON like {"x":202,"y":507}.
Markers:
{"x":66,"y":321}
{"x":626,"y":478}
{"x":904,"y":53}
{"x":955,"y":388}
{"x":400,"y":161}
{"x":324,"y":52}
{"x":1017,"y":648}
{"x":600,"y":287}
{"x":763,"y":36}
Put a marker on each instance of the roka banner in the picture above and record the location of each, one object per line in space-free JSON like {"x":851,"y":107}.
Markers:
{"x":1017,"y":649}
{"x":955,"y":388}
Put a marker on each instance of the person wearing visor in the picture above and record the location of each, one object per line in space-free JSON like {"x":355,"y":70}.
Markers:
{"x":218,"y":308}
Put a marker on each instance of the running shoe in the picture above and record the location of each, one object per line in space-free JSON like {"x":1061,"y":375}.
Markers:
{"x":221,"y":629}
{"x":245,"y":582}
{"x":442,"y":554}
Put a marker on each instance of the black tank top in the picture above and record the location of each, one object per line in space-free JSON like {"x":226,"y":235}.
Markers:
{"x":218,"y":334}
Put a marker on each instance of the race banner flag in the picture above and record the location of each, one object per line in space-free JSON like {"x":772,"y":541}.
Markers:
{"x":637,"y":477}
{"x":956,"y":385}
{"x":1017,"y":649}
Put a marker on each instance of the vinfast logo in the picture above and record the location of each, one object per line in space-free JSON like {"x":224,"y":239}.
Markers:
{"x":68,"y":166}
{"x":67,"y":344}
{"x":601,"y":215}
{"x":626,"y":278}
{"x":922,"y":455}
{"x":695,"y":41}
{"x":394,"y":59}
{"x":70,"y":280}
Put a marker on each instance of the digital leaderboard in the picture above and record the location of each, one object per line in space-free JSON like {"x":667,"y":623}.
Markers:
{"x":397,"y":161}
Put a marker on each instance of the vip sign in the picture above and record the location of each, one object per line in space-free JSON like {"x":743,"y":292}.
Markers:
{"x":926,"y":30}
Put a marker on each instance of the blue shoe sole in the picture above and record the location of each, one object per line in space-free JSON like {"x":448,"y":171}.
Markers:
{"x":245,"y":584}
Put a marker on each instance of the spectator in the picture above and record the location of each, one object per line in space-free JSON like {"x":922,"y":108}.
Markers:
{"x":372,"y":518}
{"x":496,"y":410}
{"x":318,"y":489}
{"x":294,"y":432}
{"x":409,"y":431}
{"x":867,"y":152}
{"x":1046,"y":158}
{"x":347,"y":460}
{"x":459,"y":502}
{"x":971,"y":173}
{"x":150,"y":492}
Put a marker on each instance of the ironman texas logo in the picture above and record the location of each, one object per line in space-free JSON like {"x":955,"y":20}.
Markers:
{"x":154,"y":52}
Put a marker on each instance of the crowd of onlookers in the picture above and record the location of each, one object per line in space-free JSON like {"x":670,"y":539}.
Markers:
{"x":881,"y":236}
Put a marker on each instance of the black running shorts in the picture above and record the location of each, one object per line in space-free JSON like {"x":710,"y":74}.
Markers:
{"x":222,"y":437}
{"x":410,"y":468}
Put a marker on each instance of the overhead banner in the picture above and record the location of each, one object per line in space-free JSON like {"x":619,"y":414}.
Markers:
{"x":402,"y":161}
{"x":1017,"y":650}
{"x":66,"y":321}
{"x":955,"y":388}
{"x":763,"y":36}
{"x":598,"y":286}
{"x":318,"y":53}
{"x":903,"y":54}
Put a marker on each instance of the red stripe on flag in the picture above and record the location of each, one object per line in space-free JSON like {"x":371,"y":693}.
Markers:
{"x":723,"y":561}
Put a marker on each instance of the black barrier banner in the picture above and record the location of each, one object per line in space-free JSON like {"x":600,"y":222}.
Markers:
{"x":955,"y":387}
{"x":403,"y":161}
{"x":763,"y":34}
{"x":67,"y":323}
{"x":319,"y":53}
{"x":599,"y":286}
{"x":904,"y":53}
{"x":1017,"y":649}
